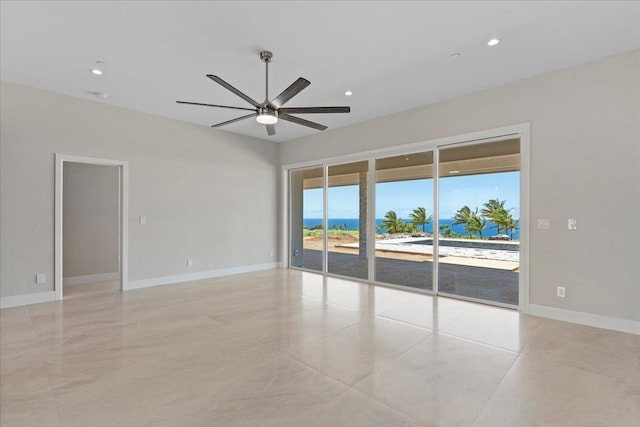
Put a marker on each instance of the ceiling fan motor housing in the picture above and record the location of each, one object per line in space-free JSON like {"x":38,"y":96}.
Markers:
{"x":266,"y":56}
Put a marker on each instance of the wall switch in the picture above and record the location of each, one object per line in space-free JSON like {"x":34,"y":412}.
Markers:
{"x":40,"y":279}
{"x":543,"y":224}
{"x":143,"y":220}
{"x":189,"y":263}
{"x":560,"y":292}
{"x":572,"y":224}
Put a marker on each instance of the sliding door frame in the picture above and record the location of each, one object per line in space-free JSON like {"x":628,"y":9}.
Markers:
{"x":520,"y":131}
{"x":436,"y":242}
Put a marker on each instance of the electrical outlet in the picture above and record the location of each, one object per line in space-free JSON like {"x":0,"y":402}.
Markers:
{"x":572,"y":224}
{"x":272,"y":254}
{"x":560,"y":292}
{"x":40,"y":279}
{"x":296,"y":252}
{"x":189,"y":263}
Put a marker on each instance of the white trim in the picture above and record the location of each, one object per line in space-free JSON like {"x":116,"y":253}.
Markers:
{"x":525,"y":206}
{"x":435,"y":233}
{"x":91,"y":278}
{"x":285,"y":258}
{"x":179,"y":278}
{"x":27,"y":299}
{"x":588,"y":319}
{"x":325,"y":218}
{"x":371,"y":219}
{"x":124,"y":215}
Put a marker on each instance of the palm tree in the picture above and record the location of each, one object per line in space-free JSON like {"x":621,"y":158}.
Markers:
{"x":477,"y":223}
{"x":419,"y":217}
{"x":463,"y":216}
{"x":473,"y":223}
{"x":511,"y":225}
{"x":494,"y":211}
{"x":391,"y":222}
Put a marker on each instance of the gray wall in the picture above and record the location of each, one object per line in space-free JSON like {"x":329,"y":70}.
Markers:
{"x":208,"y":195}
{"x":585,"y":162}
{"x":90,"y":219}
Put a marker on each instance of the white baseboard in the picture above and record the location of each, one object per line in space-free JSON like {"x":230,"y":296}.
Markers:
{"x":91,"y":278}
{"x":596,"y":320}
{"x":27,"y":299}
{"x":168,"y":280}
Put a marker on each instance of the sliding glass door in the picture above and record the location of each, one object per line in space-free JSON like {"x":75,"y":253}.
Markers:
{"x":306,"y":218}
{"x":404,"y":220}
{"x":381,"y":225}
{"x":347,"y":225}
{"x":479,"y":211}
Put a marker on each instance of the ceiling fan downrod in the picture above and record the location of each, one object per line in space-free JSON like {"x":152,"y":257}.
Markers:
{"x":266,"y":57}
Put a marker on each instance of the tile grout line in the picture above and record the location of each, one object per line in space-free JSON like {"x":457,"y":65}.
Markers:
{"x":493,"y":392}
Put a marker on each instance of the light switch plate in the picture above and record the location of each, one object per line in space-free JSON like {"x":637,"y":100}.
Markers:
{"x":143,"y":220}
{"x":572,"y":224}
{"x":543,"y":224}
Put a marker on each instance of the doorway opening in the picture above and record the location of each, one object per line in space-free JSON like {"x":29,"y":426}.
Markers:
{"x":90,"y":218}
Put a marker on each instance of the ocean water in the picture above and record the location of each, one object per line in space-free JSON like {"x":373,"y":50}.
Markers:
{"x":354,"y":223}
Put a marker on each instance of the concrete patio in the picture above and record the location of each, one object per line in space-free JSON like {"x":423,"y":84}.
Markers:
{"x":497,"y":285}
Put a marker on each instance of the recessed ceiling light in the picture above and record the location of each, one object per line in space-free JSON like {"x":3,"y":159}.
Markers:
{"x":348,"y":93}
{"x":98,"y":68}
{"x":494,"y":41}
{"x":455,"y":56}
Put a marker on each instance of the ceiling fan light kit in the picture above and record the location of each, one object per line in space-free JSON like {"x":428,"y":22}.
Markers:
{"x":268,"y":112}
{"x":267,"y":117}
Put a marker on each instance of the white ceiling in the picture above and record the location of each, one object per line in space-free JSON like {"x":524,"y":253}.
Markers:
{"x":392,"y":55}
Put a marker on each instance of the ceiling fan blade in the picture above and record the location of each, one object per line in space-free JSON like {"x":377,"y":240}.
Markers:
{"x":228,"y":122}
{"x":314,"y":110}
{"x":303,"y":122}
{"x":233,"y":89}
{"x":271,"y":130}
{"x":214,"y":105}
{"x":295,"y":88}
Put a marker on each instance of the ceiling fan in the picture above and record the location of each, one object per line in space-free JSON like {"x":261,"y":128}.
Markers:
{"x":269,"y":111}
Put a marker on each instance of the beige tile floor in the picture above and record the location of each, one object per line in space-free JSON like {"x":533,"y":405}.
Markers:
{"x":288,"y":348}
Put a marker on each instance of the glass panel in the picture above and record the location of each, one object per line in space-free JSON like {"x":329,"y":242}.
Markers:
{"x":347,"y":220}
{"x":306,"y":203}
{"x":404,"y":205}
{"x":479,"y":208}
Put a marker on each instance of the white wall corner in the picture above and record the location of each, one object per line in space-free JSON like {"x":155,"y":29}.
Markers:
{"x":588,"y":319}
{"x":27,"y":299}
{"x":179,"y":278}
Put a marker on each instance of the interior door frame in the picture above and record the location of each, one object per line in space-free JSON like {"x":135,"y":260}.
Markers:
{"x":123,"y":168}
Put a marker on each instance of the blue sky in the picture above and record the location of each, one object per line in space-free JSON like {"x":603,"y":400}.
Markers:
{"x":404,"y":196}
